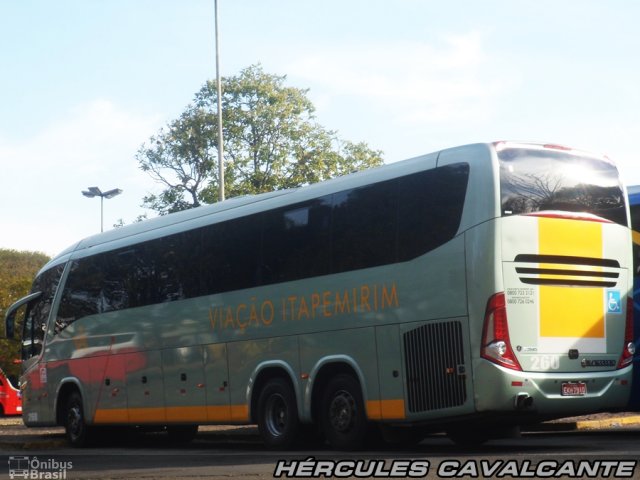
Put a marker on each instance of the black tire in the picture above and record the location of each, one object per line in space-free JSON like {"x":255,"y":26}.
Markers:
{"x":78,"y":433}
{"x":278,"y":420}
{"x":182,"y":433}
{"x":344,"y":419}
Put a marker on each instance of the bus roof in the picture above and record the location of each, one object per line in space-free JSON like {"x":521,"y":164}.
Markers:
{"x":247,"y":204}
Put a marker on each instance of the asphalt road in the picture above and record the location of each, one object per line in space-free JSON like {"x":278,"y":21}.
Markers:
{"x":231,"y":453}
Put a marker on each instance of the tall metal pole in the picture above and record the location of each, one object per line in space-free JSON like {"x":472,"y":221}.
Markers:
{"x":92,"y":192}
{"x":219,"y":95}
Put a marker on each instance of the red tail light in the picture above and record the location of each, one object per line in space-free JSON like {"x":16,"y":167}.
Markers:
{"x":496,"y":346}
{"x":628,"y":348}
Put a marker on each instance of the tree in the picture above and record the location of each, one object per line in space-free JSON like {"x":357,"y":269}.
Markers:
{"x":17,"y":270}
{"x":271,"y":142}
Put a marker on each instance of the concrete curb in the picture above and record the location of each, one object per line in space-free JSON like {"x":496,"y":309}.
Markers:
{"x":568,"y":425}
{"x":608,"y":423}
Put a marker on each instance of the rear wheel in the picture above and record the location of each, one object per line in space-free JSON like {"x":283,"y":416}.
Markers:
{"x":278,"y":420}
{"x":78,"y":433}
{"x":344,"y":419}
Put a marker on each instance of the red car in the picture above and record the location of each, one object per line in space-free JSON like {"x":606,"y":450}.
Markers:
{"x":10,"y":397}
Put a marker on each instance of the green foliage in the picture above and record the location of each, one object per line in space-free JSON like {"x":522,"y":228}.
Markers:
{"x":271,"y":142}
{"x":17,"y":270}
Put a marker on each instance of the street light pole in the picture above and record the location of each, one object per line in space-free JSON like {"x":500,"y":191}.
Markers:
{"x":219,"y":95}
{"x":96,"y":192}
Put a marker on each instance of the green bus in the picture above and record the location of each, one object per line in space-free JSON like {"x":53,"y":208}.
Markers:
{"x":470,"y":290}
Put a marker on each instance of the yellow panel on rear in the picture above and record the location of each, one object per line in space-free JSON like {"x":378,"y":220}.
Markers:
{"x":570,"y":311}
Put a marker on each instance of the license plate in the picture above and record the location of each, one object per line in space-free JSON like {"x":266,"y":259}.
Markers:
{"x":574,"y":389}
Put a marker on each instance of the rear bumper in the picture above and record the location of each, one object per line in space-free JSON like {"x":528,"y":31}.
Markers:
{"x":540,"y":393}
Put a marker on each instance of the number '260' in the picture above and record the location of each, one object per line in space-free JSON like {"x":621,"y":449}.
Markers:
{"x":545,"y":362}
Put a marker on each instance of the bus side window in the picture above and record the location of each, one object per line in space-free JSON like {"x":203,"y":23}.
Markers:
{"x":430,"y":209}
{"x":296,"y":241}
{"x":364,"y":226}
{"x":81,"y":294}
{"x":37,"y":312}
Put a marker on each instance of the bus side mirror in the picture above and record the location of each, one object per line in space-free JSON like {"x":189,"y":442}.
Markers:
{"x":9,"y":324}
{"x":10,"y":316}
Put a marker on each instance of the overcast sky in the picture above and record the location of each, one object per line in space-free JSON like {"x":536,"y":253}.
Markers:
{"x":84,"y":83}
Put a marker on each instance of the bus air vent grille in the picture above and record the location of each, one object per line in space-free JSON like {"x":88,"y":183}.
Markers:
{"x":434,"y":361}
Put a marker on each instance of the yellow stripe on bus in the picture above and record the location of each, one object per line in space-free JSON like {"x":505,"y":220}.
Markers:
{"x":112,"y":415}
{"x":385,"y":409}
{"x":240,"y":413}
{"x":145,"y":415}
{"x":570,"y":311}
{"x":636,"y":237}
{"x":186,"y":414}
{"x":159,"y":415}
{"x":376,"y":410}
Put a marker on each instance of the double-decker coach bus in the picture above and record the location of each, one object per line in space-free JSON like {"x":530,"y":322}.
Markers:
{"x":466,"y":290}
{"x":634,"y":206}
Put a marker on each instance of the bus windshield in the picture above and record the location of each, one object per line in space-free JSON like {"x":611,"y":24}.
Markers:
{"x":533,"y":180}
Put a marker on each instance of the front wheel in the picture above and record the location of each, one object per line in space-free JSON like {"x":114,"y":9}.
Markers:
{"x":76,"y":429}
{"x":278,"y":420}
{"x":344,"y":420}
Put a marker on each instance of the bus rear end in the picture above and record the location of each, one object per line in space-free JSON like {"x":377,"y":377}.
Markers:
{"x":558,"y":337}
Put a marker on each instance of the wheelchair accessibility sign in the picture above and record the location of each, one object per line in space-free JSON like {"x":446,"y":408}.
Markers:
{"x":614,"y":304}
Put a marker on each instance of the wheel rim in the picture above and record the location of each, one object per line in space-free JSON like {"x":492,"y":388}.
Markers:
{"x":74,"y":421}
{"x":343,"y":411}
{"x":277,"y":416}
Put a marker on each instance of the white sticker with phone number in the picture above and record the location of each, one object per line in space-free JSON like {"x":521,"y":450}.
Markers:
{"x":521,"y":296}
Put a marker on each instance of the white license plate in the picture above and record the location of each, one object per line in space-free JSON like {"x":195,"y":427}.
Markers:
{"x":573,"y":389}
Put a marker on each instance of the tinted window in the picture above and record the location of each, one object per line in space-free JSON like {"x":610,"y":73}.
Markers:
{"x":37,"y":313}
{"x":430,"y":209}
{"x":635,"y":223}
{"x":214,"y":266}
{"x":379,"y":224}
{"x":537,"y":180}
{"x":635,"y":215}
{"x":365,"y":226}
{"x":239,"y":254}
{"x":82,"y":294}
{"x":296,"y":241}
